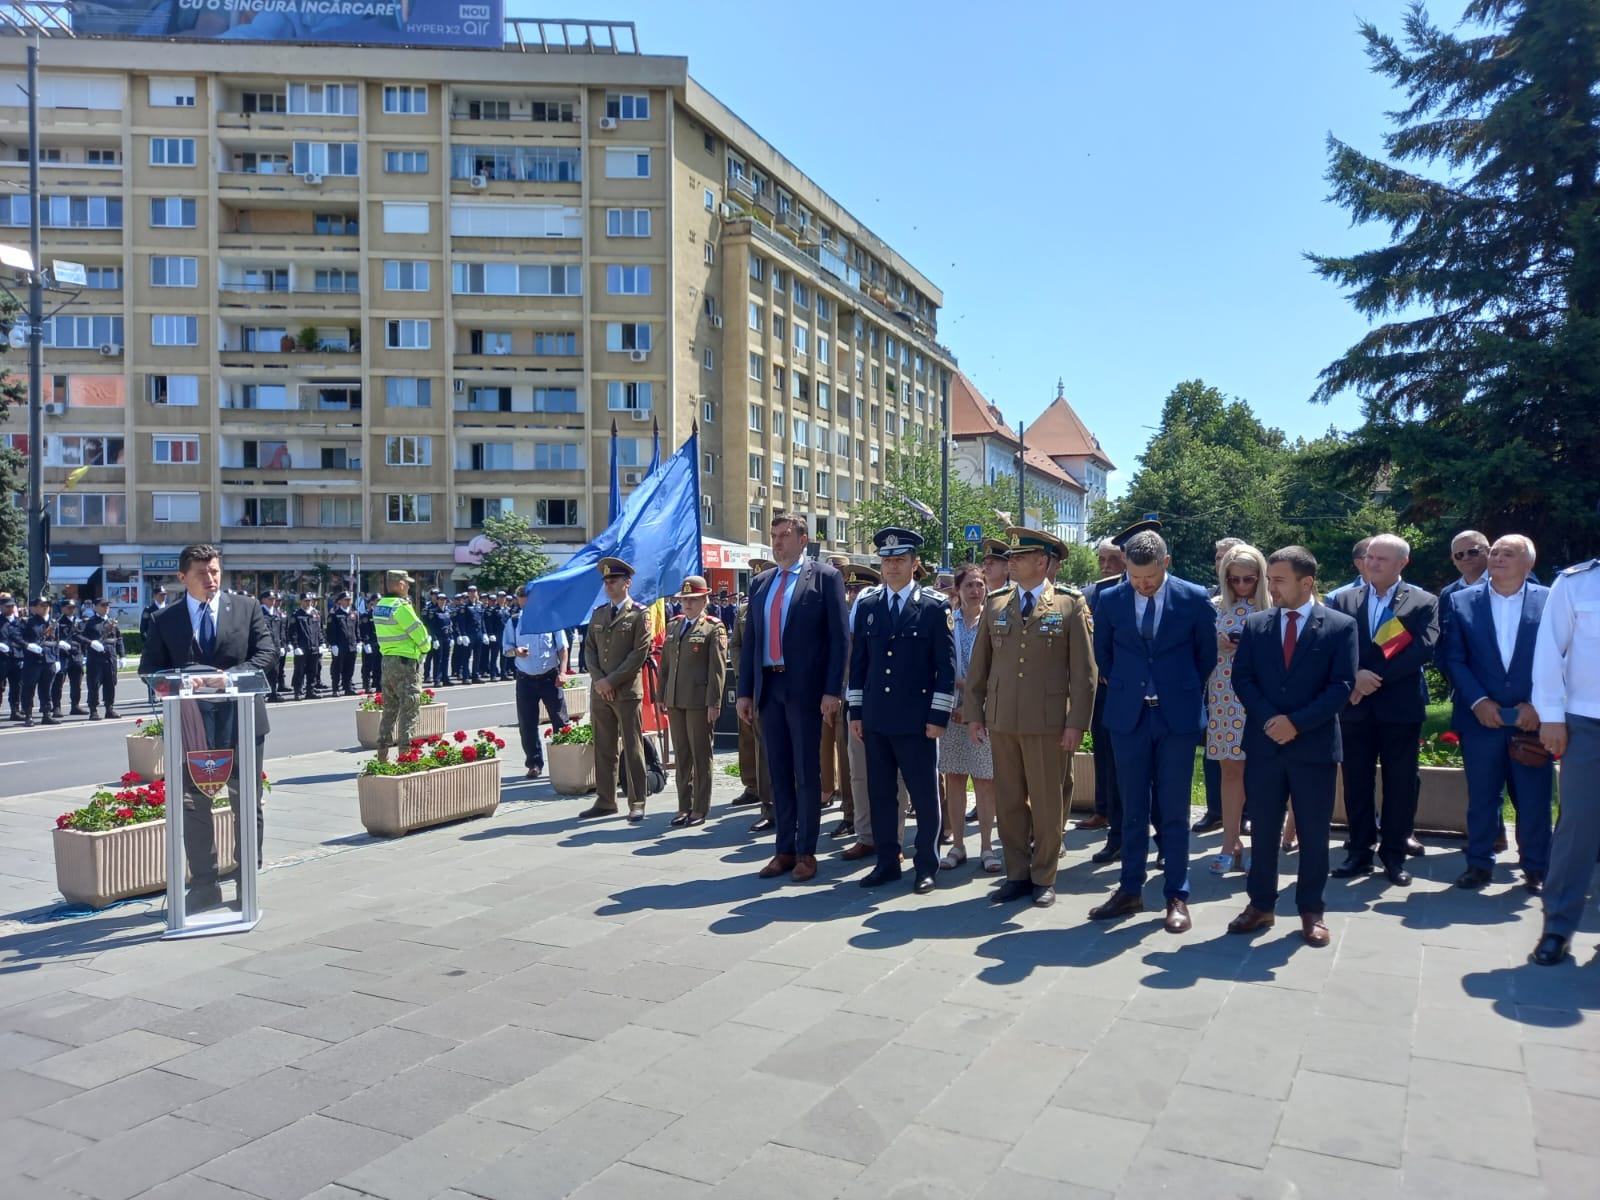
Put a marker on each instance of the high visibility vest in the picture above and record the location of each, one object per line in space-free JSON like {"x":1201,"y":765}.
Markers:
{"x":398,"y":629}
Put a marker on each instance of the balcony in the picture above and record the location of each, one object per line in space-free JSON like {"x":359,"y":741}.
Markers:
{"x":280,"y":185}
{"x":268,"y":296}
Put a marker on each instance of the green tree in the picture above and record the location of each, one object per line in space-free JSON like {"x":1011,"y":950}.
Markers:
{"x":914,"y":474}
{"x":13,"y":521}
{"x":1480,"y":377}
{"x":517,"y":557}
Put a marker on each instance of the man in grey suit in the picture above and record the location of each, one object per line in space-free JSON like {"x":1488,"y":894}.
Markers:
{"x":208,"y":628}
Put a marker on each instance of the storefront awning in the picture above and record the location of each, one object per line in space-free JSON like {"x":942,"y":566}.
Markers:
{"x":74,"y":575}
{"x":718,"y":555}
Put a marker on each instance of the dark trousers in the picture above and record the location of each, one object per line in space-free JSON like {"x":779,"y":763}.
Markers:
{"x":461,"y":665}
{"x":916,"y":757}
{"x":275,"y":678}
{"x":1212,"y":770}
{"x":791,"y":733}
{"x":304,"y":679}
{"x":1105,"y":768}
{"x":71,"y":673}
{"x":437,"y":668}
{"x":1394,"y":745}
{"x":1155,"y":767}
{"x":483,"y":664}
{"x":532,"y":691}
{"x":1268,"y":785}
{"x":11,"y":678}
{"x":1489,"y":773}
{"x":38,"y":681}
{"x":342,"y":672}
{"x":101,"y":676}
{"x":371,"y":669}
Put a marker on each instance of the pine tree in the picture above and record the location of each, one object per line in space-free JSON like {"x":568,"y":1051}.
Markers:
{"x":518,"y":555}
{"x":1480,"y":380}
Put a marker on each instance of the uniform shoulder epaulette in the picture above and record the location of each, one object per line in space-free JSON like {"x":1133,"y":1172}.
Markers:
{"x":1003,"y":590}
{"x":671,"y":617}
{"x":935,"y":592}
{"x":1069,"y":590}
{"x":713,"y":618}
{"x":1580,"y":568}
{"x":871,"y":589}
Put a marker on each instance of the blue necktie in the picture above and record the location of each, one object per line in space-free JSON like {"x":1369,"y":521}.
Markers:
{"x":1147,"y":628}
{"x":208,"y":632}
{"x":894,"y":609}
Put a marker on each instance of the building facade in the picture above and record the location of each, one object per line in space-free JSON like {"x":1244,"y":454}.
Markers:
{"x":346,"y":302}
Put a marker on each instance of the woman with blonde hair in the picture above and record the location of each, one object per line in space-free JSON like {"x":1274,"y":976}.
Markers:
{"x":1242,"y":581}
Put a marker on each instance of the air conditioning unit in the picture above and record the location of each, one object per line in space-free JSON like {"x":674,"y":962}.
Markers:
{"x":716,"y":322}
{"x":638,"y":355}
{"x":608,"y":123}
{"x":110,"y":349}
{"x":728,"y":211}
{"x":641,"y":414}
{"x":633,"y":477}
{"x":761,"y":492}
{"x":54,"y":409}
{"x":479,"y":181}
{"x":461,"y":386}
{"x":312,"y":178}
{"x":802,"y":497}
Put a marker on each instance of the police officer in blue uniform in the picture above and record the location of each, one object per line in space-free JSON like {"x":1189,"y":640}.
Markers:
{"x":436,"y":620}
{"x":11,"y":654}
{"x":494,"y":627}
{"x":902,"y":688}
{"x":467,"y":624}
{"x":40,"y":662}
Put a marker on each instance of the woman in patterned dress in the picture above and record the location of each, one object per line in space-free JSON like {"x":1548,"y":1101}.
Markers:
{"x":1242,"y":576}
{"x":959,"y":759}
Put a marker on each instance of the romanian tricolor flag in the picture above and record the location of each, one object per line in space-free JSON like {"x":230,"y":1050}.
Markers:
{"x":1391,"y":637}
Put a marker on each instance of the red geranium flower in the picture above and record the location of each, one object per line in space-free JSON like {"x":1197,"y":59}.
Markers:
{"x":63,"y":820}
{"x":461,"y":735}
{"x":132,"y":777}
{"x":1450,"y":739}
{"x":125,"y":813}
{"x":469,"y":754}
{"x":499,"y":744}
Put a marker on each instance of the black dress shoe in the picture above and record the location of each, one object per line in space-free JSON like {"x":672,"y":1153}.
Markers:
{"x":1415,"y":849}
{"x":94,"y":714}
{"x":1351,"y":867}
{"x":1043,"y":897}
{"x":695,"y":819}
{"x":877,"y":877}
{"x":680,"y":820}
{"x":1533,"y":882}
{"x":746,"y":797}
{"x":1206,"y":824}
{"x":1107,"y":854}
{"x":924,"y":885}
{"x":1012,"y":889}
{"x":596,"y":811}
{"x":843,"y":829}
{"x":763,"y":825}
{"x":49,"y":720}
{"x":202,"y":896}
{"x":1474,"y":877}
{"x":1550,"y":951}
{"x":1398,"y":876}
{"x":113,"y":715}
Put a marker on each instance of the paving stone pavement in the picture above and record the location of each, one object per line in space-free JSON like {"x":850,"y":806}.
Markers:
{"x":524,"y":1006}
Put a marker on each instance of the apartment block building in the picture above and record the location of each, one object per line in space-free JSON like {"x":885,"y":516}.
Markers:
{"x":345,"y":303}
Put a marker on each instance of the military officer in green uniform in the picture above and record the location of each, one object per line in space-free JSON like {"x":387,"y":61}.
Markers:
{"x":615,"y":649}
{"x":694,"y":668}
{"x":402,"y":641}
{"x":1030,"y":691}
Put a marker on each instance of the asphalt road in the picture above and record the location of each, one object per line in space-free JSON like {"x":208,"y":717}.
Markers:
{"x":80,"y":752}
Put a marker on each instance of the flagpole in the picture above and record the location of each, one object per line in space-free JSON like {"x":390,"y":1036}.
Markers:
{"x":616,"y":491}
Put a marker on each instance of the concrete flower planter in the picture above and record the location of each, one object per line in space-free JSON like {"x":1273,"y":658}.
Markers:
{"x":393,"y":805}
{"x":1441,"y":800}
{"x":430,"y":723}
{"x":97,"y":869}
{"x":577,"y":699}
{"x":572,"y":768}
{"x":147,"y":757}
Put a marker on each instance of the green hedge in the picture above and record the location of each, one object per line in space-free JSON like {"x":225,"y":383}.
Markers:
{"x":132,"y":643}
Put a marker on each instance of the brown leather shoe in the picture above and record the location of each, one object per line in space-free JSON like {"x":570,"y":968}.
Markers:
{"x":857,"y":850}
{"x":1251,"y":920}
{"x":781,"y":864}
{"x":1095,"y":822}
{"x":1313,"y":930}
{"x":1121,"y":904}
{"x":1178,"y":917}
{"x":805,"y":868}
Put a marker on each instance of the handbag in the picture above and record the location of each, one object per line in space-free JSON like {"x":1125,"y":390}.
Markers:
{"x":1527,"y":749}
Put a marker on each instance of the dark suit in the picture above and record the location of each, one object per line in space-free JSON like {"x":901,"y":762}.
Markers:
{"x":1470,"y":656}
{"x":244,"y":639}
{"x":788,"y":700}
{"x":1385,"y":726}
{"x":902,"y":679}
{"x":1155,"y":712}
{"x":1106,"y":801}
{"x":342,"y":640}
{"x":1310,"y":690}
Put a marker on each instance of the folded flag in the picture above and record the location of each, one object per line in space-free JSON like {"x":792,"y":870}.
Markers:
{"x":1391,"y":636}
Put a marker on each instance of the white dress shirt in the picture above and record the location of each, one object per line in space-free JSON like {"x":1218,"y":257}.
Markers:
{"x":195,"y":608}
{"x":1566,"y":658}
{"x":1140,"y":603}
{"x":1376,"y":604}
{"x":1507,"y":614}
{"x":1300,"y":627}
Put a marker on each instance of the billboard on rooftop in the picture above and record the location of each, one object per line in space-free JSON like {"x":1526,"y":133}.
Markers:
{"x":449,"y":23}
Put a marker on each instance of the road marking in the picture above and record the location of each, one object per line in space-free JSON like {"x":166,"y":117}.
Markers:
{"x":476,"y":707}
{"x":15,"y":762}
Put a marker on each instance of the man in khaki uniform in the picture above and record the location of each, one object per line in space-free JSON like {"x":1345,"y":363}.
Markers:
{"x":615,"y":649}
{"x":836,"y":784}
{"x":1030,"y":690}
{"x":752,"y":757}
{"x":694,"y":667}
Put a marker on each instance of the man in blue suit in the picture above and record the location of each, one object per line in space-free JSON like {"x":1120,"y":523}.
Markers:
{"x":1293,"y":671}
{"x":1489,"y":640}
{"x":791,"y":656}
{"x":902,"y":689}
{"x":1155,"y":642}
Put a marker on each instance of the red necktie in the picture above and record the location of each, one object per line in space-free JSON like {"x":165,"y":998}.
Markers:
{"x":775,"y":621}
{"x":1289,"y":636}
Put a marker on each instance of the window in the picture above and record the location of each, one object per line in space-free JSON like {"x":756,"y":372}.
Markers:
{"x":627,"y":281}
{"x":171,"y":329}
{"x":338,"y":223}
{"x":628,"y":222}
{"x":174,"y":271}
{"x":264,"y":102}
{"x":405,"y":276}
{"x":777,"y":473}
{"x":515,"y":220}
{"x":181,"y":507}
{"x":778,"y":426}
{"x":337,"y":279}
{"x":263,"y":396}
{"x":67,"y":333}
{"x":512,"y":279}
{"x":171,"y":152}
{"x":555,"y":512}
{"x":408,"y":451}
{"x":340,"y":511}
{"x":758,"y":468}
{"x":623,"y":335}
{"x":824,"y":485}
{"x":103,"y":278}
{"x":102,"y":157}
{"x":180,"y":391}
{"x":405,"y":99}
{"x":90,"y":508}
{"x":780,"y":281}
{"x":627,"y":163}
{"x":522,"y":164}
{"x":174,"y":449}
{"x":802,"y":295}
{"x":708,"y":464}
{"x":627,"y":395}
{"x":494,"y":342}
{"x":802,"y":480}
{"x":555,"y":400}
{"x":552,"y":111}
{"x":824,"y":308}
{"x":628,"y":106}
{"x":802,"y":337}
{"x":409,"y":509}
{"x":171,"y":212}
{"x":404,"y":218}
{"x":824,"y":350}
{"x":405,"y":162}
{"x":65,"y":212}
{"x":80,"y":449}
{"x":824,"y":395}
{"x":758,"y":268}
{"x":555,"y":456}
{"x":801,"y":429}
{"x":756,"y":316}
{"x":562,"y":344}
{"x":708,"y":411}
{"x":710,"y":254}
{"x":780,"y":329}
{"x":489,"y":110}
{"x":841,"y":444}
{"x":339,"y":99}
{"x":708,"y":360}
{"x":492,"y":456}
{"x":802,"y":388}
{"x":757,"y":419}
{"x":327,"y":158}
{"x":171,"y":91}
{"x":410,"y":334}
{"x":404,"y":392}
{"x":711,"y":200}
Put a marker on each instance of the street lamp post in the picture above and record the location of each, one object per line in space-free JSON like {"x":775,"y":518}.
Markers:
{"x":944,"y":478}
{"x":36,"y":552}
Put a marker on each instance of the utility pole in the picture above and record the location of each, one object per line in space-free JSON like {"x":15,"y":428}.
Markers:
{"x":36,"y":525}
{"x":944,"y":479}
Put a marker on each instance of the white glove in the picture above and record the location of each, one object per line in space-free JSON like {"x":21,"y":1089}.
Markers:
{"x":64,"y":645}
{"x":333,"y":650}
{"x":435,"y":643}
{"x":5,"y":647}
{"x":463,"y":640}
{"x":122,"y":663}
{"x":57,"y":671}
{"x":98,"y":647}
{"x":288,"y":651}
{"x":367,"y":648}
{"x":35,"y":648}
{"x":488,"y":639}
{"x":284,"y":653}
{"x":319,"y":650}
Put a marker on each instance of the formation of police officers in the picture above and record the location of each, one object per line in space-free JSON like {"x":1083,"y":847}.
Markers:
{"x":53,"y":655}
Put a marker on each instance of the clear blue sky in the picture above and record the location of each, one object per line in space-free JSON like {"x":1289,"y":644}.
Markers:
{"x":1117,"y":195}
